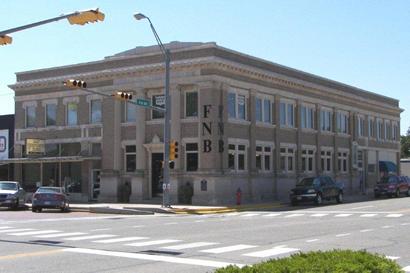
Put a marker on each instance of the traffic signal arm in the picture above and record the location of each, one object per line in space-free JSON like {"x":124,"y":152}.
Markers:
{"x":85,"y":17}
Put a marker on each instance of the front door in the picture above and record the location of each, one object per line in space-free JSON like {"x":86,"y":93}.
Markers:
{"x":156,"y":173}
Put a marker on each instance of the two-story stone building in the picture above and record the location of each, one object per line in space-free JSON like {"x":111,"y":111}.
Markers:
{"x":241,"y":123}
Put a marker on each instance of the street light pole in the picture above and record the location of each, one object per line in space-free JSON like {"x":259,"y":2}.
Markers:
{"x":167,"y":114}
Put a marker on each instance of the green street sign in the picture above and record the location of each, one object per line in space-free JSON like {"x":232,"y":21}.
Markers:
{"x":142,"y":102}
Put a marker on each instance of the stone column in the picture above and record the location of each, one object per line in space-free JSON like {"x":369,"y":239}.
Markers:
{"x":318,"y":164}
{"x":298,"y":125}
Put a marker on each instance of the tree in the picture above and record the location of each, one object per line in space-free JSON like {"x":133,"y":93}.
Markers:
{"x":405,"y":145}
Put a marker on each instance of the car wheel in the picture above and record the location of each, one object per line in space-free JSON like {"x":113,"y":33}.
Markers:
{"x":408,"y":192}
{"x":39,"y":209}
{"x":33,"y":209}
{"x":339,"y":197}
{"x":16,"y":205}
{"x":319,"y":199}
{"x":397,"y":193}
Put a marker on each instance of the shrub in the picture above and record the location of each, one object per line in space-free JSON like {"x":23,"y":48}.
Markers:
{"x":334,"y":261}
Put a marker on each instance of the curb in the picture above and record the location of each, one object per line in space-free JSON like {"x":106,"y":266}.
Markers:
{"x":228,"y":209}
{"x":108,"y":210}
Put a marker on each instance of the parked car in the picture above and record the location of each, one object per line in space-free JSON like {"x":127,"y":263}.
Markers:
{"x":50,"y":197}
{"x":392,"y":185}
{"x":316,"y":189}
{"x":11,"y":194}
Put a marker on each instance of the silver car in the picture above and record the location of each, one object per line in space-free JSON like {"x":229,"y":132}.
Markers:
{"x":11,"y":194}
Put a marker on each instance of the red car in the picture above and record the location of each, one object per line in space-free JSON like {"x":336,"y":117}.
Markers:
{"x":392,"y":185}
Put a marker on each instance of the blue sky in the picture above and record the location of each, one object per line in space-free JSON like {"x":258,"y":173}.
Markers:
{"x":361,"y":43}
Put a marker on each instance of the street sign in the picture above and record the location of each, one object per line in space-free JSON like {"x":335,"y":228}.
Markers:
{"x":142,"y":102}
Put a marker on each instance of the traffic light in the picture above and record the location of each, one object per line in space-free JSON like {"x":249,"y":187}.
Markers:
{"x":4,"y":40}
{"x":85,"y":17}
{"x":75,"y":84}
{"x":173,"y":150}
{"x":122,"y":95}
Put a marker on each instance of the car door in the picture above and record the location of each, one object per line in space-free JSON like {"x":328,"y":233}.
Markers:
{"x":324,"y":185}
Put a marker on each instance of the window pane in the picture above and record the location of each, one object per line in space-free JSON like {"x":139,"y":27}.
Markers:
{"x":290,"y":163}
{"x":231,"y":147}
{"x":241,"y":147}
{"x":96,"y":111}
{"x":267,"y":162}
{"x":258,"y":109}
{"x":283,"y":163}
{"x":192,"y":162}
{"x":231,"y":160}
{"x":191,"y":147}
{"x":130,"y":162}
{"x":51,"y":114}
{"x":241,"y":162}
{"x":290,"y":115}
{"x":72,"y":113}
{"x":191,"y":104}
{"x":303,"y":163}
{"x":310,"y":118}
{"x":131,"y":112}
{"x":130,"y":149}
{"x":282,"y":113}
{"x":31,"y":116}
{"x":231,"y":105}
{"x":266,"y":111}
{"x":259,"y":148}
{"x":241,"y":107}
{"x":259,"y":162}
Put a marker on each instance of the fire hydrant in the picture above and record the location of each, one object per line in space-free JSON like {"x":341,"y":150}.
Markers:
{"x":238,"y":196}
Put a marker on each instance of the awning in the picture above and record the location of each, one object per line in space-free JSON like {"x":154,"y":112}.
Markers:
{"x":49,"y":159}
{"x":387,"y":167}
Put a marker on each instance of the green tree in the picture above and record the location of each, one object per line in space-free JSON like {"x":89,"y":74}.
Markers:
{"x":405,"y":145}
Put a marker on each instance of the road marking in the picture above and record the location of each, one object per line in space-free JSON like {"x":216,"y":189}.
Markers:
{"x":138,"y":226}
{"x":191,"y":245}
{"x":312,"y":240}
{"x":199,"y":221}
{"x":170,"y":223}
{"x":272,"y":215}
{"x":60,"y":235}
{"x":367,"y":215}
{"x":405,"y":224}
{"x":30,"y":254}
{"x":15,"y":230}
{"x":157,"y":258}
{"x":387,"y":226}
{"x":392,"y":258}
{"x":227,"y":249}
{"x":156,"y":242}
{"x":394,"y":215}
{"x":100,"y":229}
{"x":89,"y":237}
{"x":33,"y":232}
{"x":5,"y":227}
{"x":271,"y":252}
{"x":293,"y":215}
{"x":363,"y":207}
{"x":343,"y":234}
{"x":319,"y":214}
{"x":117,"y":240}
{"x":406,"y":269}
{"x":250,"y":215}
{"x":343,"y":215}
{"x":366,"y":230}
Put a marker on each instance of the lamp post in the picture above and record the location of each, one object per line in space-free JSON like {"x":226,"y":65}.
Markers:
{"x":167,"y":114}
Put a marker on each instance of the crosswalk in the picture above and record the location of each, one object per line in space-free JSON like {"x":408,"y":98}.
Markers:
{"x":170,"y":244}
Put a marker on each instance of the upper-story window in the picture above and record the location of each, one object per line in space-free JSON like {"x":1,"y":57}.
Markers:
{"x":371,"y":127}
{"x":191,"y":104}
{"x":72,"y":113}
{"x":287,"y":117}
{"x":30,"y":116}
{"x":360,"y":126}
{"x":96,"y":113}
{"x":159,"y":101}
{"x":342,"y":122}
{"x":237,"y":105}
{"x":395,"y":130}
{"x":130,"y":112}
{"x":51,"y":114}
{"x":307,"y":114}
{"x":263,"y":109}
{"x":387,"y":130}
{"x":326,"y":117}
{"x":379,"y":131}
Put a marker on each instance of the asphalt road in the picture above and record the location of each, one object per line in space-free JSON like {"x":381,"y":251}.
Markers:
{"x":85,"y":243}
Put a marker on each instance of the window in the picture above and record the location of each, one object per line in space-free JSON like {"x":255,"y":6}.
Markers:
{"x":307,"y":117}
{"x":130,"y":112}
{"x":31,"y":116}
{"x":51,"y":114}
{"x":72,"y":117}
{"x":263,"y":110}
{"x":191,"y":155}
{"x":263,"y":157}
{"x":326,"y":117}
{"x":326,"y":160}
{"x":191,"y":104}
{"x":371,"y":127}
{"x":342,"y":159}
{"x":395,"y":130}
{"x":360,"y":126}
{"x":387,"y":129}
{"x":308,"y":160}
{"x":237,"y":159}
{"x":237,"y":106}
{"x":287,"y":114}
{"x":287,"y":159}
{"x":130,"y":158}
{"x":379,"y":130}
{"x":342,"y":123}
{"x":96,"y":116}
{"x":158,"y":100}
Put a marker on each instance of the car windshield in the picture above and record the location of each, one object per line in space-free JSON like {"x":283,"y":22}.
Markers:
{"x":49,"y":190}
{"x":309,"y":181}
{"x":8,"y":186}
{"x":388,"y":180}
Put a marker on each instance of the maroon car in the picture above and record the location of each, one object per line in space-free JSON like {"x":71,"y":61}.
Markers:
{"x":392,"y":185}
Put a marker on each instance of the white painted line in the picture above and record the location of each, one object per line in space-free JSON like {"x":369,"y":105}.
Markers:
{"x":156,"y":242}
{"x":394,"y":215}
{"x":89,"y":237}
{"x":343,"y":234}
{"x":272,"y":215}
{"x":343,"y":215}
{"x":363,"y":207}
{"x":405,"y":224}
{"x":191,"y":245}
{"x":117,"y":240}
{"x":271,"y":252}
{"x":319,"y":214}
{"x":392,"y":258}
{"x":293,"y":215}
{"x":100,"y":229}
{"x":33,"y":232}
{"x":312,"y":240}
{"x":170,"y":223}
{"x":199,"y":221}
{"x":15,"y":230}
{"x":387,"y":226}
{"x":5,"y":227}
{"x":366,"y":230}
{"x":60,"y":235}
{"x":157,"y":258}
{"x":227,"y":249}
{"x":138,"y":226}
{"x":250,"y":215}
{"x":406,"y":269}
{"x":367,"y":215}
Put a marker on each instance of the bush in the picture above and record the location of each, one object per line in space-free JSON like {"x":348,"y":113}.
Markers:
{"x":335,"y":261}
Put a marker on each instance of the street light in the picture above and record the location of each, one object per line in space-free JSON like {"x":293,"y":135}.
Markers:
{"x":167,"y":132}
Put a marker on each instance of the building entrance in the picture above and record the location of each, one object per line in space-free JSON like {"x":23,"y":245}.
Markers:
{"x":156,"y":173}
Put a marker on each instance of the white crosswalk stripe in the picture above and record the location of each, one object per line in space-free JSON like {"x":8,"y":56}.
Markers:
{"x":294,"y":215}
{"x":5,"y":228}
{"x":271,"y":252}
{"x":319,"y":214}
{"x":227,"y":249}
{"x":367,"y":215}
{"x":343,"y":215}
{"x":15,"y":230}
{"x":272,"y":215}
{"x":394,"y":215}
{"x":155,"y":242}
{"x":33,"y":232}
{"x":250,"y":214}
{"x":118,"y":240}
{"x":89,"y":237}
{"x":190,"y":245}
{"x":60,"y":235}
